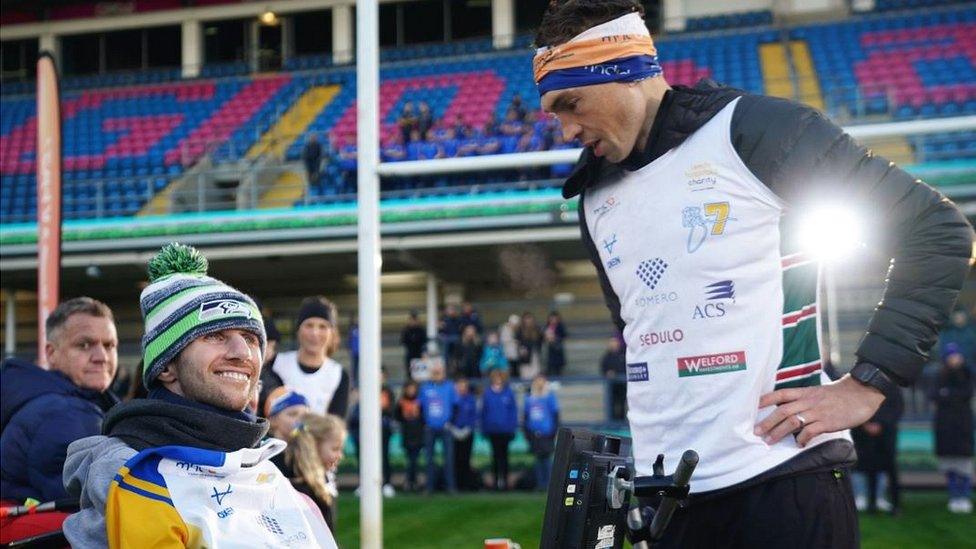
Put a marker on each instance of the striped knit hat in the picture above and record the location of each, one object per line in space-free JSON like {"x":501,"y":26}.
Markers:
{"x":182,"y":303}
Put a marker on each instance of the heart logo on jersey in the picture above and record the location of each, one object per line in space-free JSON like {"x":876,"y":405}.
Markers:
{"x":651,"y":270}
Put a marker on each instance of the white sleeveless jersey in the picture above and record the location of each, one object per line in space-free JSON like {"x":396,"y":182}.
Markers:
{"x":318,"y":387}
{"x":719,"y":309}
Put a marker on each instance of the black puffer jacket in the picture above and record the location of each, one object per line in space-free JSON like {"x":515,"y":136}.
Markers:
{"x":800,"y":155}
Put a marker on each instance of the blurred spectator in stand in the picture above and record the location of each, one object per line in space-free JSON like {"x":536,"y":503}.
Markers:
{"x":449,"y":333}
{"x":518,"y":108}
{"x":512,"y":125}
{"x":954,"y":445}
{"x":471,"y":317}
{"x":460,"y":127}
{"x":394,"y":150}
{"x":465,"y":421}
{"x":407,"y":122}
{"x":425,"y":119}
{"x":469,"y":364}
{"x":413,"y":338}
{"x":508,"y":334}
{"x":555,"y":336}
{"x":312,"y":458}
{"x":499,"y":422}
{"x":613,"y":366}
{"x":45,"y":410}
{"x":449,"y":143}
{"x":410,"y":418}
{"x":560,"y":171}
{"x":962,"y":333}
{"x":438,"y":401}
{"x":541,"y":421}
{"x":137,"y":389}
{"x":530,"y":347}
{"x":490,"y":128}
{"x":312,"y":158}
{"x":469,"y":143}
{"x":490,"y":144}
{"x":876,"y":483}
{"x":493,"y":356}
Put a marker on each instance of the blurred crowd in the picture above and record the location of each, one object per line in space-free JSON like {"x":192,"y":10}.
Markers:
{"x":421,"y":135}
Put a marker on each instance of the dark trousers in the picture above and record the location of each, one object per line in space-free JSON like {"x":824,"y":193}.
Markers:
{"x":413,"y":458}
{"x":876,"y":455}
{"x":462,"y":463}
{"x":447,"y":443}
{"x":810,"y":510}
{"x":386,"y":452}
{"x":499,"y":458}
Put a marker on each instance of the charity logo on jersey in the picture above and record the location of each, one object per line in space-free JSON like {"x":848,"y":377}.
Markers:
{"x":608,"y":205}
{"x":706,"y":221}
{"x":711,"y":364}
{"x":650,"y":271}
{"x":701,"y":177}
{"x":717,"y":298}
{"x":220,"y":308}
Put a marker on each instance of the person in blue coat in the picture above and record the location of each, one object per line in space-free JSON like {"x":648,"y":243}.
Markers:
{"x":437,"y":402}
{"x":43,"y":411}
{"x":499,"y":422}
{"x":540,"y":421}
{"x":465,"y":421}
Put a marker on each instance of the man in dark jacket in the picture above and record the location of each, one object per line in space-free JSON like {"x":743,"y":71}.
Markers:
{"x":43,"y":411}
{"x":690,"y":200}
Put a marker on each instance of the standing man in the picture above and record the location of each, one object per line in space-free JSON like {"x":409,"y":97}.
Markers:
{"x":414,"y":340}
{"x":43,"y":411}
{"x":312,"y":157}
{"x":185,"y":467}
{"x":688,"y":206}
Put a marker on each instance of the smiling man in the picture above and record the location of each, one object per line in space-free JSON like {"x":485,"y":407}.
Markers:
{"x":185,"y":467}
{"x":689,"y":199}
{"x":43,"y":411}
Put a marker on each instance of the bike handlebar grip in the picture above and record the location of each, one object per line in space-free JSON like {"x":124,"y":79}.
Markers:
{"x":682,"y":475}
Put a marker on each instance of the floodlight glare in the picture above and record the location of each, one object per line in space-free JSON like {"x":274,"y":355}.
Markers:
{"x":269,"y":18}
{"x":831,"y":233}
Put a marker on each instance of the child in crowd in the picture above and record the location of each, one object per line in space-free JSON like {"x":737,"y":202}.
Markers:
{"x":541,"y":420}
{"x":953,"y":395}
{"x":493,"y":357}
{"x":312,"y":458}
{"x":284,"y":408}
{"x":411,"y":420}
{"x":499,"y":421}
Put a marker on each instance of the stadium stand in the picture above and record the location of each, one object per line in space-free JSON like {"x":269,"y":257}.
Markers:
{"x":129,"y":135}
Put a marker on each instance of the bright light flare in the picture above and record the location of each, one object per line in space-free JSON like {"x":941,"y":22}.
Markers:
{"x":268,"y":18}
{"x":831,"y":233}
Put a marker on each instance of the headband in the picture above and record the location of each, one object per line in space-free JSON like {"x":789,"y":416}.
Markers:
{"x":620,"y":50}
{"x":285,"y":399}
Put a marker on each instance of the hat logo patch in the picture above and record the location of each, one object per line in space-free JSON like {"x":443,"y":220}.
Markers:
{"x":221,"y":308}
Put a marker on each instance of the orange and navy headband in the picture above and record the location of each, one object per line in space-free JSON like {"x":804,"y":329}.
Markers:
{"x":620,"y":50}
{"x":282,"y":398}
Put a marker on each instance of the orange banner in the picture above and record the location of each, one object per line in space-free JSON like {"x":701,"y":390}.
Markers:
{"x":48,"y":196}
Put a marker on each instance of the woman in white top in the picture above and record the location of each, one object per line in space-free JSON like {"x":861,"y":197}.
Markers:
{"x":310,"y":370}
